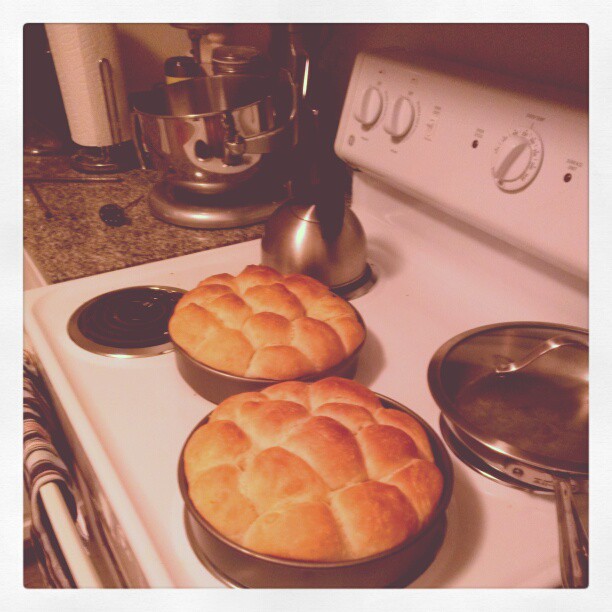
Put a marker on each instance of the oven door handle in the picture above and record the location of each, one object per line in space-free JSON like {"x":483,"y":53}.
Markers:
{"x":69,"y":541}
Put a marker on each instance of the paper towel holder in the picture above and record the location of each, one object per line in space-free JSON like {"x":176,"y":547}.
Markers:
{"x":115,"y":157}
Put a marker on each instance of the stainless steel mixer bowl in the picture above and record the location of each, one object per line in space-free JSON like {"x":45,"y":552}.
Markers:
{"x":211,"y":134}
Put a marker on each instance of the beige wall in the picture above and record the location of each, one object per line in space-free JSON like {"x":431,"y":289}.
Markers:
{"x":555,"y":53}
{"x":550,"y":53}
{"x":145,"y":47}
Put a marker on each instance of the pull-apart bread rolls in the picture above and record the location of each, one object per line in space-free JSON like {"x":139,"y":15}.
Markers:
{"x":312,"y":471}
{"x":261,"y":324}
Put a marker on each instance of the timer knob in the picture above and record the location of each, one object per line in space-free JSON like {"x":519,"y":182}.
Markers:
{"x":517,"y":159}
{"x":401,"y":118}
{"x":370,"y":107}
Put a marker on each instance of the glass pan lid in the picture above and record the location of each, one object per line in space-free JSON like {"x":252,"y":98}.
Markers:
{"x":538,"y":414}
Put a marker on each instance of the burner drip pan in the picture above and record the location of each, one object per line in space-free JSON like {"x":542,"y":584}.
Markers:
{"x":129,"y":322}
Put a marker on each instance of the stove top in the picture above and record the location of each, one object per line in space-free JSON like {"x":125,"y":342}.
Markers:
{"x":425,"y":295}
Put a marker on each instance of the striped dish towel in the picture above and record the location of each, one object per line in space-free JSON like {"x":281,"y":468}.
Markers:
{"x":43,"y":464}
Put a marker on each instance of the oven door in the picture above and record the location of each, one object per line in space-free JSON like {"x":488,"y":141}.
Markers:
{"x":67,"y":531}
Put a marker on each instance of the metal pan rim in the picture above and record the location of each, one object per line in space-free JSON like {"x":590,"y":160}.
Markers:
{"x":443,"y":462}
{"x":217,"y":77}
{"x":493,"y":463}
{"x":475,"y":462}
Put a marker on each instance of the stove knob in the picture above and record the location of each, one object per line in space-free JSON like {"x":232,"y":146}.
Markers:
{"x":401,"y":119}
{"x":371,"y":107}
{"x":517,"y":159}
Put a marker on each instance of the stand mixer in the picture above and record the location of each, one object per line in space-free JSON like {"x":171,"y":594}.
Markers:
{"x":224,"y":142}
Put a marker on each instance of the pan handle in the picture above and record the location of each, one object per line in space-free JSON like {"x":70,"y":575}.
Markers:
{"x":541,"y":349}
{"x":573,"y":541}
{"x":283,"y":136}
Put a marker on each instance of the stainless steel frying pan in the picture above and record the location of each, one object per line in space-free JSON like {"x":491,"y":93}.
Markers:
{"x":516,"y":395}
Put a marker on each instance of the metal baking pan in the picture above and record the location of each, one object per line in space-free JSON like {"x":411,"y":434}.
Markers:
{"x":215,"y":385}
{"x":238,"y":566}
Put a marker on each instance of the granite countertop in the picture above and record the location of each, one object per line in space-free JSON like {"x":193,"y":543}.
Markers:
{"x":71,"y":241}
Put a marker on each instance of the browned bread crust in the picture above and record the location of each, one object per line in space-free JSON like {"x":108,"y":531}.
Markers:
{"x":315,"y":472}
{"x":261,"y":324}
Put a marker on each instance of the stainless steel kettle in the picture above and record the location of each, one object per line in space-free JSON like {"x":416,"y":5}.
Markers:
{"x":316,"y":233}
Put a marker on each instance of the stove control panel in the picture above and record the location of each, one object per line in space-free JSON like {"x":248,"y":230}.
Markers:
{"x":506,"y":155}
{"x":370,"y":108}
{"x":401,"y":118}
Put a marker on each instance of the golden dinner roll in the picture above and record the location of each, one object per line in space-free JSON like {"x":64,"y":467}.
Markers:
{"x":330,"y":448}
{"x":385,"y":449}
{"x":219,"y":279}
{"x":267,"y":329}
{"x":279,"y":362}
{"x":349,"y":330}
{"x":229,"y":407}
{"x":328,"y":307}
{"x":409,"y":425}
{"x":318,"y":342}
{"x":306,"y":288}
{"x":278,"y":476}
{"x":261,"y":324}
{"x":253,"y":276}
{"x":268,"y":423}
{"x":306,"y":531}
{"x":230,"y":310}
{"x":421,"y":482}
{"x":274,"y":298}
{"x":374,"y":517}
{"x":319,"y":469}
{"x":336,"y":389}
{"x":351,"y":416}
{"x":215,"y":444}
{"x":203,"y":295}
{"x":194,"y":325}
{"x":216,"y":495}
{"x":292,"y":391}
{"x":224,"y":348}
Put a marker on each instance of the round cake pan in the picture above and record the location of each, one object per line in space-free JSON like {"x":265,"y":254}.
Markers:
{"x":397,"y":566}
{"x":215,"y":385}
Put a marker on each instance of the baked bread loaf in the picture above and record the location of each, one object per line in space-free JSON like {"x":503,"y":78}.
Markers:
{"x":261,"y":324}
{"x":312,"y":471}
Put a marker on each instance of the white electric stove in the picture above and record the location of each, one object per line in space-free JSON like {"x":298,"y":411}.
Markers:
{"x":473,"y":196}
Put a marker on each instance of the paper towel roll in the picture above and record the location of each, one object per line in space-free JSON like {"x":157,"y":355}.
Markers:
{"x":77,"y":49}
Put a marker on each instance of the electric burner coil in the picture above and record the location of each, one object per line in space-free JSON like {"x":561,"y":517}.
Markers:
{"x":129,"y":322}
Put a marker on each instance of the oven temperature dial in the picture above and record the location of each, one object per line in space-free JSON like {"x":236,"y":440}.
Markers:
{"x":370,"y":107}
{"x":517,"y":159}
{"x":401,"y":118}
